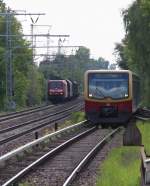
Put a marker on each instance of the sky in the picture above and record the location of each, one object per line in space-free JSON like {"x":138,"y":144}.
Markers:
{"x":95,"y":24}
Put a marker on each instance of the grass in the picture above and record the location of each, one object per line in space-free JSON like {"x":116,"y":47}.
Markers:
{"x":122,"y":168}
{"x":77,"y":117}
{"x":25,"y":184}
{"x":145,"y":132}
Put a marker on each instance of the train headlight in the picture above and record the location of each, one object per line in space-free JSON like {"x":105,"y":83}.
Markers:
{"x":90,"y":95}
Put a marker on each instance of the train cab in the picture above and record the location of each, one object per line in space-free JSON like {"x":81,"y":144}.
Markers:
{"x":111,"y":96}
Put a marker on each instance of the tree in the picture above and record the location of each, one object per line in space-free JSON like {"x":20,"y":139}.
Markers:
{"x":72,"y":67}
{"x":120,"y":53}
{"x":103,"y":63}
{"x":83,"y":53}
{"x":134,"y":51}
{"x":21,"y":62}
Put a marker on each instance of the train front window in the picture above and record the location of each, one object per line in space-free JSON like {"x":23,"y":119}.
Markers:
{"x":108,"y":85}
{"x":55,"y":85}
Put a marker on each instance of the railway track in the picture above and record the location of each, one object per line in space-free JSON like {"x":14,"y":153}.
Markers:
{"x":143,"y":114}
{"x":7,"y":129}
{"x":24,"y":131}
{"x":60,"y":161}
{"x":13,"y":115}
{"x":22,"y":116}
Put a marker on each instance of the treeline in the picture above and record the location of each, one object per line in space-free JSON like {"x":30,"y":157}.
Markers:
{"x":72,"y":67}
{"x":134,"y":51}
{"x":29,"y":81}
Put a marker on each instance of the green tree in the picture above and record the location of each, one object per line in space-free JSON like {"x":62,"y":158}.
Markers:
{"x":72,"y":67}
{"x":83,"y":53}
{"x":103,"y":63}
{"x":134,"y":51}
{"x":22,"y":65}
{"x":120,"y":52}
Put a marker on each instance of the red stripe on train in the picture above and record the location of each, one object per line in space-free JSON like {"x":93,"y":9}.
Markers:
{"x":122,"y":106}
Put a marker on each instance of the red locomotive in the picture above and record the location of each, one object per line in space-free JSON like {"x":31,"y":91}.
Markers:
{"x":61,"y":90}
{"x":111,"y":96}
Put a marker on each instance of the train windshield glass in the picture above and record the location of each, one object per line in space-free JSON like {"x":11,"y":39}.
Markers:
{"x":55,"y":85}
{"x":105,"y":85}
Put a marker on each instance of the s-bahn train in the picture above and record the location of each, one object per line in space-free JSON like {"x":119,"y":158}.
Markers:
{"x":111,"y":96}
{"x":61,"y":90}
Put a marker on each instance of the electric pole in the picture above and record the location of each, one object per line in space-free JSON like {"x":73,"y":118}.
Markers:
{"x":8,"y":14}
{"x":8,"y":59}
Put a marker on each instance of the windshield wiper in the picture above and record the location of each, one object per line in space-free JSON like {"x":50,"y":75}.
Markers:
{"x":99,"y":91}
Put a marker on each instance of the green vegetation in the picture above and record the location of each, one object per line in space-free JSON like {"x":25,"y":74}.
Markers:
{"x":25,"y":184}
{"x":145,"y":132}
{"x":77,"y":117}
{"x":133,"y":53}
{"x":27,"y":80}
{"x":122,"y":168}
{"x":73,"y":66}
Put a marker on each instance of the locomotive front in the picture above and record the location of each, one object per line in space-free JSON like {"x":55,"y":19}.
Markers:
{"x":108,"y":96}
{"x":57,"y":90}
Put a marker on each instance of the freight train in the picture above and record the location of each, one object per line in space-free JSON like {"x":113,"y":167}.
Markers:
{"x":62,"y":90}
{"x":111,"y":96}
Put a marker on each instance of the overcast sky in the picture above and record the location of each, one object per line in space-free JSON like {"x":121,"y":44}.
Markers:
{"x":95,"y":24}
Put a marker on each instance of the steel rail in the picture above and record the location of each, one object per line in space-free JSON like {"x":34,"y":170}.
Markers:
{"x":143,"y":113}
{"x":50,"y":154}
{"x":23,"y":112}
{"x":85,"y":160}
{"x":19,"y":113}
{"x":146,"y":109}
{"x":142,"y":118}
{"x":29,"y":145}
{"x":32,"y":121}
{"x":13,"y":137}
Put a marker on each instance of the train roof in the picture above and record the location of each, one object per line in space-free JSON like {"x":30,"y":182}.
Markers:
{"x":62,"y":80}
{"x":112,"y":71}
{"x":109,"y":71}
{"x":56,"y":80}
